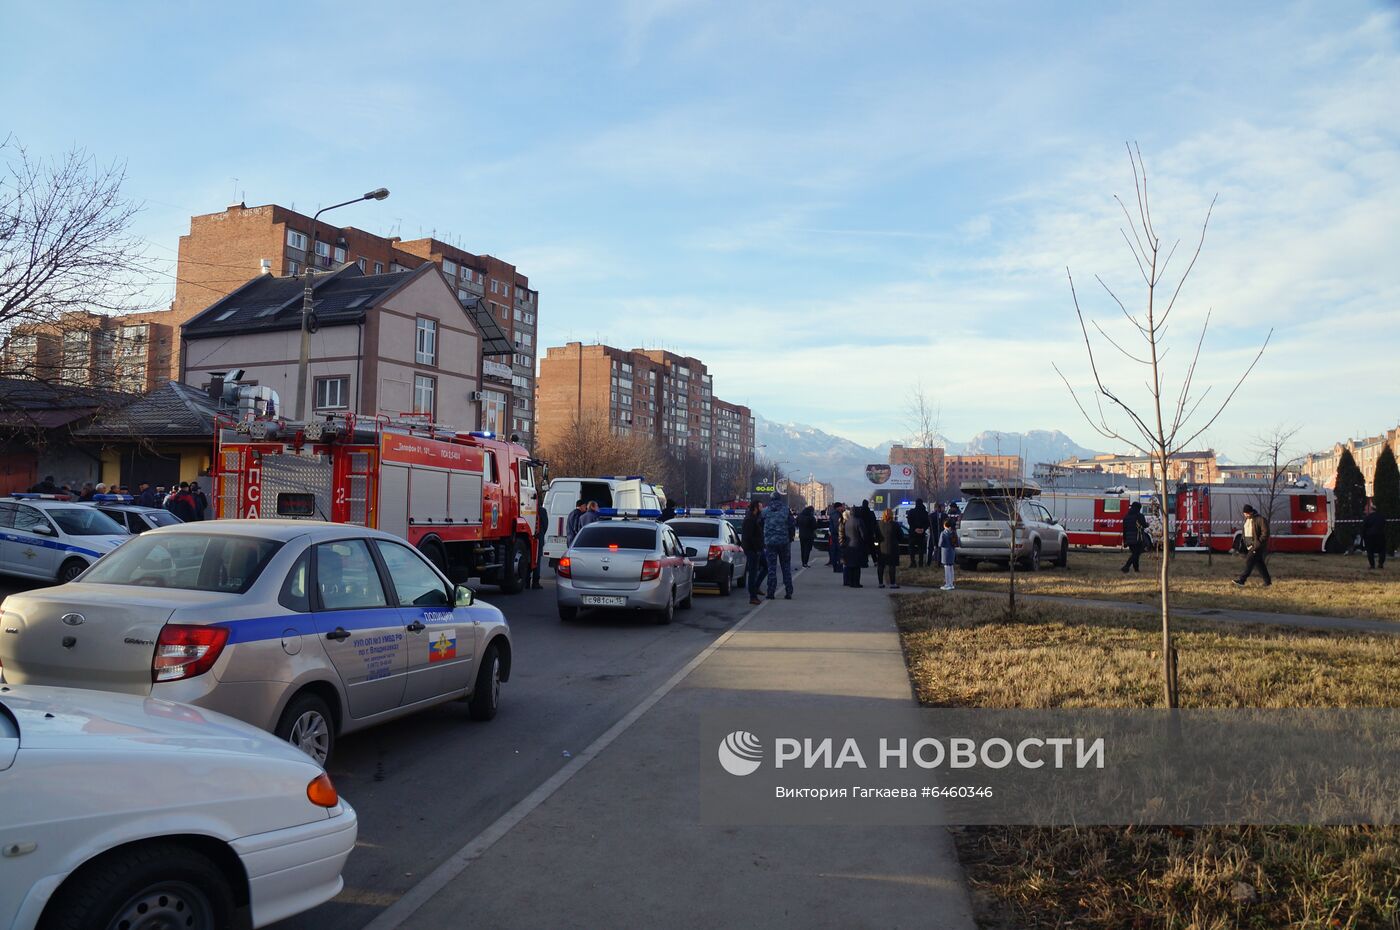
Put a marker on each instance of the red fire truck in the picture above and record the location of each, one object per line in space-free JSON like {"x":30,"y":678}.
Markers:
{"x":1210,"y":515}
{"x":467,"y":500}
{"x":1094,"y":516}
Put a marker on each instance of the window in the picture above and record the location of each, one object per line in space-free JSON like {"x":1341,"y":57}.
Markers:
{"x":449,"y":268}
{"x":494,"y":283}
{"x":424,"y":394}
{"x":493,"y":411}
{"x":415,"y":582}
{"x":525,"y":339}
{"x":339,"y":254}
{"x":332,"y":393}
{"x":426,"y":341}
{"x":607,"y":534}
{"x":296,"y":240}
{"x":378,"y":267}
{"x":295,"y":595}
{"x":346,"y":576}
{"x":323,"y":249}
{"x":361,"y":262}
{"x":293,"y":268}
{"x":189,"y":562}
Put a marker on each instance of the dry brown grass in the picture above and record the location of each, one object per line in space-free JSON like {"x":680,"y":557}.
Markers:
{"x":962,"y":652}
{"x":1325,"y":585}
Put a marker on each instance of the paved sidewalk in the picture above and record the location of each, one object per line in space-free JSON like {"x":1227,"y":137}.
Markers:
{"x":1229,"y":614}
{"x":620,"y":845}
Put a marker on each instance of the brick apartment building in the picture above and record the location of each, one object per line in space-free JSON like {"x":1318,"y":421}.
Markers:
{"x":222,"y":251}
{"x":817,"y":494}
{"x":930,"y":469}
{"x":648,"y":392}
{"x":130,"y":354}
{"x":1321,"y":467}
{"x":1196,"y":467}
{"x":960,"y":468}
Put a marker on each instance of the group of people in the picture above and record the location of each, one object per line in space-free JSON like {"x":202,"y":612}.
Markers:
{"x":857,"y":537}
{"x":185,"y":500}
{"x":766,"y":535}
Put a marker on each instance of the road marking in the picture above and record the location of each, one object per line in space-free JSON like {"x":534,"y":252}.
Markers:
{"x":420,"y":894}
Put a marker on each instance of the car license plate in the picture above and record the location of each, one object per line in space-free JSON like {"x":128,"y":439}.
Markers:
{"x":593,"y":600}
{"x":986,"y":534}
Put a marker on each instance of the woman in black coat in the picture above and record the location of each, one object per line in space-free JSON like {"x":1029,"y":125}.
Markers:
{"x":806,"y":532}
{"x":1134,"y":536}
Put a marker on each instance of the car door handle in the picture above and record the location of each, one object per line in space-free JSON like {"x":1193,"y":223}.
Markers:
{"x":338,"y":634}
{"x":417,"y":626}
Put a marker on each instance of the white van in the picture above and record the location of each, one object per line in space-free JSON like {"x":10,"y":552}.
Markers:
{"x":625,"y":492}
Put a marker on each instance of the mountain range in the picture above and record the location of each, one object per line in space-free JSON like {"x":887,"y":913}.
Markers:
{"x":806,"y":450}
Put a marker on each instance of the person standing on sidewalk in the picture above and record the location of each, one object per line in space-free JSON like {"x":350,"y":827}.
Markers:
{"x":807,"y":532}
{"x":833,"y":538}
{"x":918,"y":533}
{"x":777,"y":544}
{"x":889,"y":549}
{"x":1134,"y":536}
{"x":751,"y":537}
{"x":948,"y":552}
{"x":541,"y":523}
{"x":1373,"y":536}
{"x":935,"y":527}
{"x":852,"y":547}
{"x":1256,"y":546}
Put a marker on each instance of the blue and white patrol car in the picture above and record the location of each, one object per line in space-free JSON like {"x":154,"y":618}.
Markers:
{"x":51,"y":537}
{"x":303,"y":628}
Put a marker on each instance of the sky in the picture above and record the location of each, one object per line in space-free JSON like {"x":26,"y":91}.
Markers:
{"x":832,"y":205}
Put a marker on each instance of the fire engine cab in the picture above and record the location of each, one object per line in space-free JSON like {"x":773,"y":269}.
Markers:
{"x":468,"y":501}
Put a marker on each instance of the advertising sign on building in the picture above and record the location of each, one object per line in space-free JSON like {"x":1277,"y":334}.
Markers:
{"x":881,"y":475}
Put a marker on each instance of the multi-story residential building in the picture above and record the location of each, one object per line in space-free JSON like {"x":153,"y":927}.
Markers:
{"x":818,"y":494}
{"x":1321,"y":467}
{"x":388,"y":344}
{"x":651,"y":392}
{"x":129,"y":354}
{"x":960,"y":468}
{"x":1198,"y":467}
{"x":930,"y":469}
{"x":222,"y":250}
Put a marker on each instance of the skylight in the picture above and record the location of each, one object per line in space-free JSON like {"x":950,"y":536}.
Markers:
{"x":225,"y":315}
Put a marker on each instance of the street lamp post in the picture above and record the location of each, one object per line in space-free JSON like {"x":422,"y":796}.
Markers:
{"x":307,"y":301}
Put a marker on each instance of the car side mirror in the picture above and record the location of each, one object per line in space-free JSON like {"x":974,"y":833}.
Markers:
{"x":1050,"y":520}
{"x":462,"y":596}
{"x":691,"y":551}
{"x":43,"y":529}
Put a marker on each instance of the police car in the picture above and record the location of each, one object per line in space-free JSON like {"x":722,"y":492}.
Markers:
{"x":303,"y":628}
{"x":51,"y":537}
{"x":134,"y":517}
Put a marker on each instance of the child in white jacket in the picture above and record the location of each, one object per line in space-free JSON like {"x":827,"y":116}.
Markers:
{"x":948,"y":553}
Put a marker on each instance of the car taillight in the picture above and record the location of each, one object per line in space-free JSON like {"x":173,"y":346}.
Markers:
{"x":565,"y":568}
{"x":651,"y":569}
{"x":715,"y":553}
{"x":184,"y":651}
{"x":321,"y":792}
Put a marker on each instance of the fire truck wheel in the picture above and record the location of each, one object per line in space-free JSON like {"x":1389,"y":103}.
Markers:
{"x":435,"y":553}
{"x":486,"y":696}
{"x":516,"y":571}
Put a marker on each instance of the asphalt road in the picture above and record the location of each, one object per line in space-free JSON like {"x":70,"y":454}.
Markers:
{"x":425,"y":785}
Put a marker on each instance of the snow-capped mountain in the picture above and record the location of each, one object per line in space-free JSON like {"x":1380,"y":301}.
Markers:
{"x":808,"y":450}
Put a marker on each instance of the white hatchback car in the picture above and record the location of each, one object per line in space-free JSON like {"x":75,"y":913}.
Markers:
{"x":52,"y":538}
{"x":125,"y":811}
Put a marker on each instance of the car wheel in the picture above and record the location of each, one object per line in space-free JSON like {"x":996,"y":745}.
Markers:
{"x":516,"y":571}
{"x":568,"y":614}
{"x":1063,"y":560}
{"x":71,"y":569}
{"x":667,"y":613}
{"x":1033,"y":563}
{"x":308,"y":725}
{"x":726,"y":582}
{"x":967,"y":565}
{"x":159,"y":885}
{"x":486,"y":696}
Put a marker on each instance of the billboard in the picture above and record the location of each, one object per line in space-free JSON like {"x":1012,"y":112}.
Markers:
{"x":896,"y":477}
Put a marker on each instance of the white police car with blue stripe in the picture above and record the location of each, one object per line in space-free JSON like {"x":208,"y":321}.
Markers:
{"x":51,"y":537}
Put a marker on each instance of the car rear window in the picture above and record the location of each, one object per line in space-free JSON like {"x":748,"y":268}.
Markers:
{"x":695,"y":528}
{"x":160,"y":518}
{"x":188,"y":561}
{"x":605,"y":536}
{"x":85,"y":521}
{"x":993,"y":508}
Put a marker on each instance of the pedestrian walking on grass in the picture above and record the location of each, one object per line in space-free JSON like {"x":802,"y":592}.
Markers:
{"x":918,"y":533}
{"x":807,"y":532}
{"x":1134,"y":536}
{"x":1256,"y":547}
{"x":777,"y":544}
{"x":852,"y":547}
{"x":948,"y":552}
{"x":751,"y":537}
{"x":889,"y":549}
{"x":1373,"y":537}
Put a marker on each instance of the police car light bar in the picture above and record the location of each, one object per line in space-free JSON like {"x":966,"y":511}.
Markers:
{"x":482,"y":434}
{"x":645,"y":513}
{"x":34,"y":496}
{"x":113,"y":498}
{"x":708,"y":512}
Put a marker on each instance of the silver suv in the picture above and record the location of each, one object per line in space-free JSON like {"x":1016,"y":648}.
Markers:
{"x":993,"y":509}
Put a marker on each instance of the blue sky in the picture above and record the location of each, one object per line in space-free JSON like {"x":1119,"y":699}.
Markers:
{"x":829,"y":205}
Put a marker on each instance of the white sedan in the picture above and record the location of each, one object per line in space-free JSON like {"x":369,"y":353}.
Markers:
{"x":125,"y":811}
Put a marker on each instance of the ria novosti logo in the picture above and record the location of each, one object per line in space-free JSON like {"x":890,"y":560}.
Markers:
{"x":740,"y":753}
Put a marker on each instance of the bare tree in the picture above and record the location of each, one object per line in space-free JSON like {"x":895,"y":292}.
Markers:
{"x":1274,"y":452}
{"x":589,"y":447}
{"x":921,"y":417}
{"x":65,"y":239}
{"x":1165,"y":421}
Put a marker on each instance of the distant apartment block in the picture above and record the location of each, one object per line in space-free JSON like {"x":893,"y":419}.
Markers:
{"x":649,"y":392}
{"x":1197,"y":467}
{"x":818,"y":494}
{"x":930,"y":467}
{"x":222,"y":251}
{"x":960,"y":468}
{"x":130,"y":353}
{"x":1321,"y":467}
